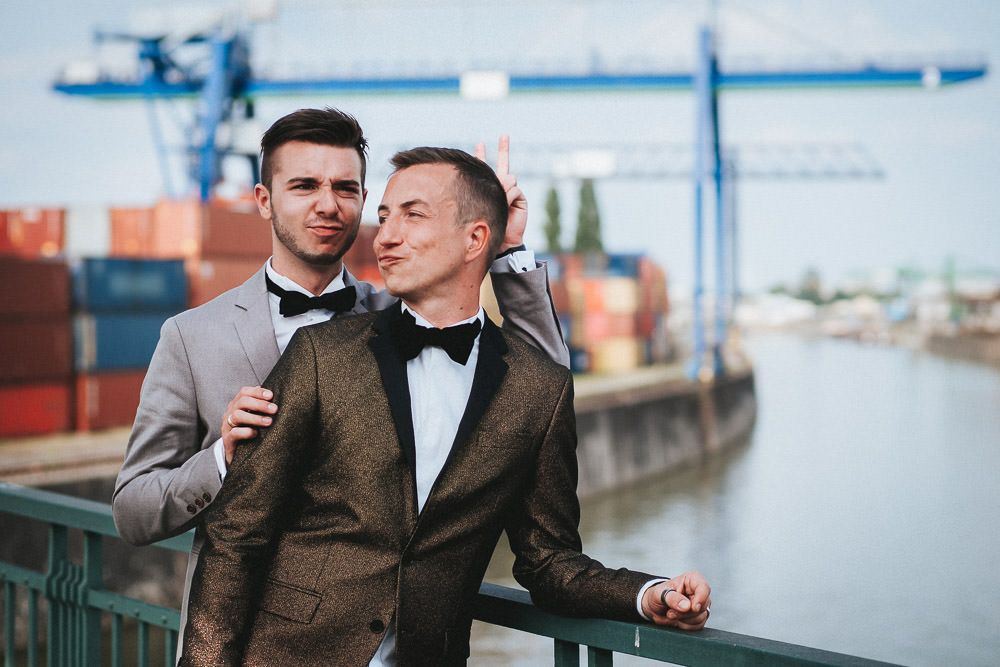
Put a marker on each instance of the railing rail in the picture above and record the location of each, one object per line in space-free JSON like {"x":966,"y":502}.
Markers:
{"x":76,"y":602}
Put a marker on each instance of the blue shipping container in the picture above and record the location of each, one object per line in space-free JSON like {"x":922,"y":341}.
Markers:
{"x":624,"y":265}
{"x":104,"y":284}
{"x":106,"y":341}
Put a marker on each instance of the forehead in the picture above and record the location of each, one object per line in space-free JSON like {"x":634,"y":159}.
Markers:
{"x":431,"y":183}
{"x":297,"y":159}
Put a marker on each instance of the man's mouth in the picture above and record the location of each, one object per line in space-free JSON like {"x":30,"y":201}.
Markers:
{"x":388,"y":260}
{"x":325,"y":230}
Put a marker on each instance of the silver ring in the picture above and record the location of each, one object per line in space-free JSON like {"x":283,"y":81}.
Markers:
{"x":708,"y":612}
{"x":229,"y":420}
{"x":663,"y":595}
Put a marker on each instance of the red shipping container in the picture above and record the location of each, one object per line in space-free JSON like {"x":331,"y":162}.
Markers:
{"x":208,"y":278}
{"x":34,"y":409}
{"x":36,"y":349}
{"x":32,"y":232}
{"x":235,"y":230}
{"x":105,"y":400}
{"x":34,"y":287}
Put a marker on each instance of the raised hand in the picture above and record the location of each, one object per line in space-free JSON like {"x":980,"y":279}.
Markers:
{"x":517,"y":204}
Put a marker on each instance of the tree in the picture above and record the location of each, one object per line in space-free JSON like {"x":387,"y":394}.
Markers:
{"x":553,"y":227}
{"x":588,"y":228}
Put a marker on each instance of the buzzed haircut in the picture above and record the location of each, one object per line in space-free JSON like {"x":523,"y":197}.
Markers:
{"x":479,"y":194}
{"x":328,"y":127}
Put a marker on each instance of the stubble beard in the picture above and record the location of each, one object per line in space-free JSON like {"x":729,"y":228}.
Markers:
{"x":314,"y":258}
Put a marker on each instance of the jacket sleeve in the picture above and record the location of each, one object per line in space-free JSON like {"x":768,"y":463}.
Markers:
{"x":253,"y":505}
{"x":544,"y":534}
{"x":165,"y":473}
{"x":526,"y":305}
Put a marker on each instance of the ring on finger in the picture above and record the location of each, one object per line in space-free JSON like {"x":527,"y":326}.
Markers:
{"x":229,"y":420}
{"x":663,"y":595}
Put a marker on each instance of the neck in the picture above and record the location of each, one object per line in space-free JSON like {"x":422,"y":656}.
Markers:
{"x":444,"y":312}
{"x":311,"y":277}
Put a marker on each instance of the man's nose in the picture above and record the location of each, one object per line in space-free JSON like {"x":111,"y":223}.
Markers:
{"x":388,"y":233}
{"x":326,"y":202}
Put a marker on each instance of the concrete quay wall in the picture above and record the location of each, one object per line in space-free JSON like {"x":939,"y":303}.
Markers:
{"x":647,"y":424}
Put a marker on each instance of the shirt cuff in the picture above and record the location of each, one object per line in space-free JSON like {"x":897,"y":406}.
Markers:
{"x":516,"y":262}
{"x":642,"y":591}
{"x":220,"y":458}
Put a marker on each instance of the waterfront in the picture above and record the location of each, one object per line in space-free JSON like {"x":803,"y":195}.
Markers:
{"x":861,"y":518}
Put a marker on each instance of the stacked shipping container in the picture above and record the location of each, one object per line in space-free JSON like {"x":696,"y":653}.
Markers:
{"x":120,"y":307}
{"x":84,"y":367}
{"x":222,"y":243}
{"x":612,"y":309}
{"x":36,"y":348}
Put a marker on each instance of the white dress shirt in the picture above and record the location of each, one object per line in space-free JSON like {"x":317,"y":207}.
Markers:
{"x":439,"y":392}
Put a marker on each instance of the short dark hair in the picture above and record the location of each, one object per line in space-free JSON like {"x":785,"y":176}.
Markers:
{"x":329,"y":127}
{"x":479,"y":193}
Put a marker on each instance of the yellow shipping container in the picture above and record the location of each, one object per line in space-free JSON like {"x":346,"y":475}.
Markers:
{"x":616,"y":355}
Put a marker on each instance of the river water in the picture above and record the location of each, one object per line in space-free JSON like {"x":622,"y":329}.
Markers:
{"x":862,"y":517}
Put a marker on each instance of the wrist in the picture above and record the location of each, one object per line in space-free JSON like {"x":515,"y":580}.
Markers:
{"x":506,"y":250}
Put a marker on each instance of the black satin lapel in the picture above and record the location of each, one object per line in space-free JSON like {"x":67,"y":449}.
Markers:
{"x":490,"y":372}
{"x":394,"y":380}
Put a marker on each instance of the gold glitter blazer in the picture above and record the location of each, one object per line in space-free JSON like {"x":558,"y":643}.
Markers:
{"x":315,"y":543}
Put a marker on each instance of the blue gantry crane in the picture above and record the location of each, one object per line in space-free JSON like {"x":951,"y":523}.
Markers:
{"x":213,"y":65}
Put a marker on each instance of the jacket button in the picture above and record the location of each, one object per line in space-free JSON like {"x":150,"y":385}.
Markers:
{"x":199,"y":502}
{"x":191,"y":509}
{"x":207,"y":497}
{"x":376,"y":626}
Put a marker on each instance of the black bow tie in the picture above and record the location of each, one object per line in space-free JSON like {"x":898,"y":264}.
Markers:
{"x":411,"y":338}
{"x":296,"y":303}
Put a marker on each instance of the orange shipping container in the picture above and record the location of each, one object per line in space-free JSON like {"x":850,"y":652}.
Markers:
{"x":591,"y":328}
{"x":235,"y":230}
{"x":32,"y":232}
{"x":361,"y":256}
{"x":131,"y":232}
{"x":105,"y":400}
{"x":208,"y":278}
{"x":177,"y":228}
{"x":34,"y":409}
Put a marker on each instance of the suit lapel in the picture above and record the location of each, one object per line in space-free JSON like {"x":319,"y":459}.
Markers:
{"x":394,"y":380}
{"x":254,"y":327}
{"x":490,"y":372}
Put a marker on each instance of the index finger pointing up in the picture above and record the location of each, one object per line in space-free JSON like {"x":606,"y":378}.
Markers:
{"x":503,"y":156}
{"x":481,"y":151}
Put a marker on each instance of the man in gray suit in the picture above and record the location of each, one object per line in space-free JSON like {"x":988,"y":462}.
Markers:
{"x":189,"y":423}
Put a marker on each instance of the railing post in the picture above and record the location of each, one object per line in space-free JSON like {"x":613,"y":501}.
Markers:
{"x":57,"y":630}
{"x":9,"y":609}
{"x":92,"y":580}
{"x":599,"y":657}
{"x":567,"y":654}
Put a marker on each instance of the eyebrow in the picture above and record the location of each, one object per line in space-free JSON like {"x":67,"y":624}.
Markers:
{"x":309,"y":180}
{"x":406,"y":204}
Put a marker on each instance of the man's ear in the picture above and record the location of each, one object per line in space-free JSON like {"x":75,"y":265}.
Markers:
{"x":263,"y":198}
{"x":477,"y":239}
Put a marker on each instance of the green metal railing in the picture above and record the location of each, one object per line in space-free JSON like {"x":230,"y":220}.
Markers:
{"x":76,"y":603}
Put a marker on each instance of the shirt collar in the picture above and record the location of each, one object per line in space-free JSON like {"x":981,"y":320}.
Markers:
{"x":424,"y":323}
{"x":289,"y":284}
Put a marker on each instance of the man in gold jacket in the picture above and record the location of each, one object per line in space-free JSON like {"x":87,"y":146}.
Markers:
{"x":357,"y":529}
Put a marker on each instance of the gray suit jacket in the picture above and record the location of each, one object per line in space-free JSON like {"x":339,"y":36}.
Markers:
{"x":204,"y":356}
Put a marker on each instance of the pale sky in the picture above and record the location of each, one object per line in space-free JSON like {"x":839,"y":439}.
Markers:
{"x":940,"y":149}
